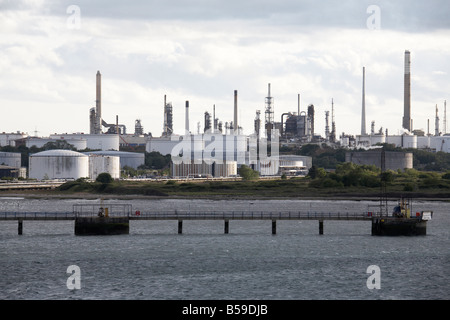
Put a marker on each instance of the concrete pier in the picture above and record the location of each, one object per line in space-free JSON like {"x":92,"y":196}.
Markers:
{"x":388,"y":226}
{"x":101,"y":226}
{"x":114,"y":219}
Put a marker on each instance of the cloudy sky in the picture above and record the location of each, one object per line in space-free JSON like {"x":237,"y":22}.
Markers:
{"x":203,"y":50}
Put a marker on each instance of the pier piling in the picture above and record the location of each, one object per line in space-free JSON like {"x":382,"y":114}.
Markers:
{"x":274,"y":226}
{"x":320,"y":226}
{"x":180,"y":226}
{"x":226,"y":227}
{"x":20,"y":227}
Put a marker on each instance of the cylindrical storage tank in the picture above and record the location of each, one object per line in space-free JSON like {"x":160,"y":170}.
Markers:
{"x":395,"y":140}
{"x":377,"y":138}
{"x":162,"y":145}
{"x":423,"y":142}
{"x":129,"y":159}
{"x":409,"y":141}
{"x":269,"y":167}
{"x":104,"y":164}
{"x":58,"y":164}
{"x":93,"y":141}
{"x":79,"y":144}
{"x":11,"y":159}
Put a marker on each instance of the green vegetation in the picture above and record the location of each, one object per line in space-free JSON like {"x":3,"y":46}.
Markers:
{"x":348,"y":180}
{"x":104,"y":178}
{"x":112,"y":187}
{"x":248,"y":173}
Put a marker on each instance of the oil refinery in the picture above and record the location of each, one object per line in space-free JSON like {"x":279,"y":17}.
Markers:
{"x":218,"y":147}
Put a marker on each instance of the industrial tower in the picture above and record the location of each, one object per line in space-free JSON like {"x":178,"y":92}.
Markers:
{"x":269,"y":113}
{"x":407,"y":93}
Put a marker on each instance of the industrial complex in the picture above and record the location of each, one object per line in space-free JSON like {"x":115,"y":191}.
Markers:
{"x":219,"y":148}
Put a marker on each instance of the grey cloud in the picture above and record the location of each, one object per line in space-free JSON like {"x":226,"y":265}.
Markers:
{"x":404,"y":15}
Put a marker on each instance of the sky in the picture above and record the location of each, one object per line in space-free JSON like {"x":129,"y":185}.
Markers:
{"x":202,"y":50}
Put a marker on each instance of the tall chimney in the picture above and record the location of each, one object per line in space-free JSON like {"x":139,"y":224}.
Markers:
{"x":298,"y":104}
{"x":235,"y":121}
{"x":187,"y":118}
{"x":214,"y":119}
{"x":98,"y":104}
{"x":363,"y":113}
{"x":436,"y":123}
{"x":407,"y":93}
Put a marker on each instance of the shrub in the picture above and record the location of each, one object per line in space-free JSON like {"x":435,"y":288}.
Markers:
{"x":248,"y":173}
{"x":104,"y":178}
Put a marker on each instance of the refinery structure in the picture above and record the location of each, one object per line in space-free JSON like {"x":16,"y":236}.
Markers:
{"x":218,"y":148}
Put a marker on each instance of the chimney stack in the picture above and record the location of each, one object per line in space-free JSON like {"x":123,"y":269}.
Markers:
{"x":363,"y":113}
{"x":98,"y":104}
{"x":235,"y":122}
{"x":407,"y":93}
{"x":187,"y":118}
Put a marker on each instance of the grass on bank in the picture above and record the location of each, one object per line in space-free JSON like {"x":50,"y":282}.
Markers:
{"x":350,"y":181}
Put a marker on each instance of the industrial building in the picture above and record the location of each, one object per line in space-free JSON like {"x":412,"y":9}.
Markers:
{"x":9,"y":139}
{"x":205,"y":169}
{"x":12,"y":172}
{"x":393,"y":160}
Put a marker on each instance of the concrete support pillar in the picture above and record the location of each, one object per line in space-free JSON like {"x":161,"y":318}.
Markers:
{"x":227,"y":225}
{"x":320,"y":226}
{"x":274,"y":226}
{"x":20,"y":227}
{"x":180,"y":226}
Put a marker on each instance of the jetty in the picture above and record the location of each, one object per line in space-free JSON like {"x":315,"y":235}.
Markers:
{"x":111,"y":219}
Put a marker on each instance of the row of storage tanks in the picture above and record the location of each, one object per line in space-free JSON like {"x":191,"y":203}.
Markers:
{"x":67,"y":164}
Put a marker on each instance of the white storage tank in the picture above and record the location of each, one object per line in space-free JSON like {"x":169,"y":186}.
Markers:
{"x":58,"y":164}
{"x":130,"y":159}
{"x":409,"y":141}
{"x":11,"y":159}
{"x":93,"y":141}
{"x":162,"y":145}
{"x":100,"y":164}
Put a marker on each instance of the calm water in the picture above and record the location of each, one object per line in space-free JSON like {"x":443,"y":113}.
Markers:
{"x":154,"y":262}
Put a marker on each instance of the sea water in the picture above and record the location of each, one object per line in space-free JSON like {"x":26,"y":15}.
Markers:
{"x":155,"y":262}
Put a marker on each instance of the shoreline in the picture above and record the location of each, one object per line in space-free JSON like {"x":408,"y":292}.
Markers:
{"x":230,"y":197}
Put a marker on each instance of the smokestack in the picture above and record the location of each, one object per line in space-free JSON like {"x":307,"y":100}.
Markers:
{"x":98,"y":104}
{"x":187,"y":118}
{"x":298,"y":104}
{"x":407,"y":93}
{"x":235,"y":122}
{"x":436,"y":123}
{"x":445,"y":116}
{"x":363,"y":113}
{"x":214,"y":119}
{"x":165,"y":117}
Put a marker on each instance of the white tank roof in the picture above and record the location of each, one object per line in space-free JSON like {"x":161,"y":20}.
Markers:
{"x":59,"y":153}
{"x":117,"y":153}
